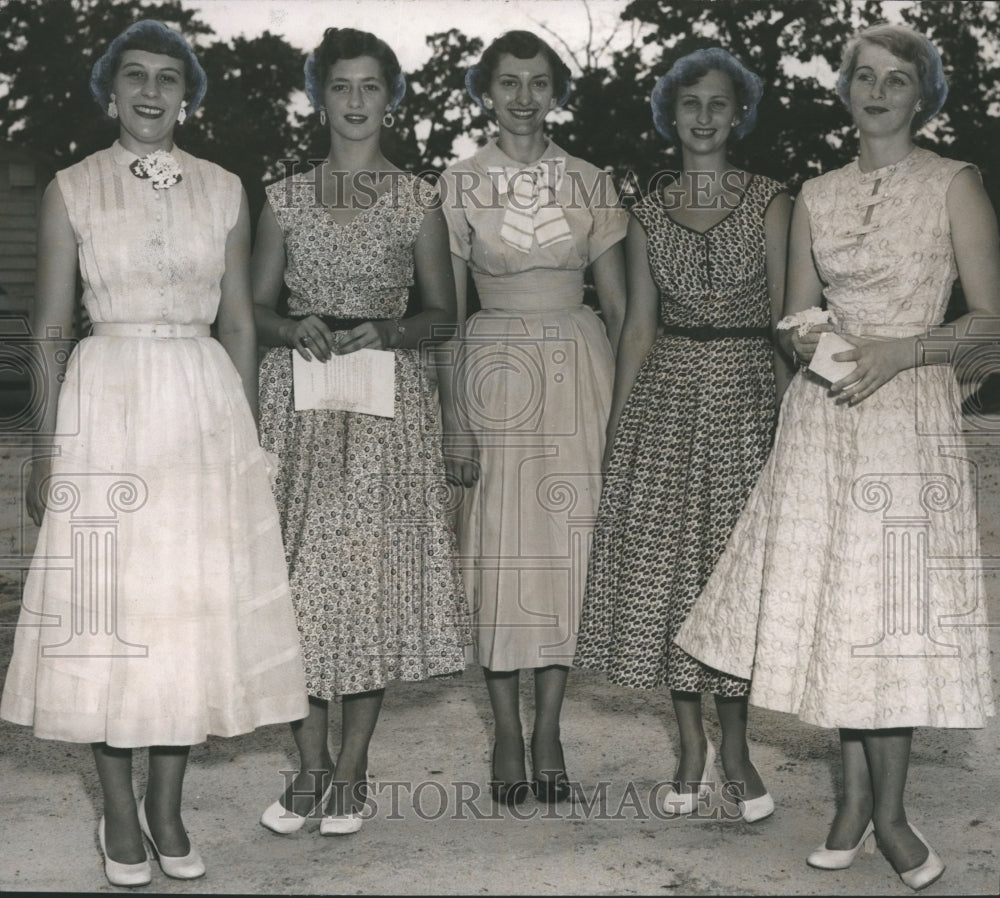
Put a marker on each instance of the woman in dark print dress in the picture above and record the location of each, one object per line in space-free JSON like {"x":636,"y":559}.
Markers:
{"x":371,"y":555}
{"x":693,"y":413}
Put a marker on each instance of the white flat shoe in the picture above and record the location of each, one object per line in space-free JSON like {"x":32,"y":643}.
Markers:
{"x":929,"y":871}
{"x":679,"y":804}
{"x":282,"y":820}
{"x":190,"y":866}
{"x":123,"y":874}
{"x":754,"y":809}
{"x":841,"y":858}
{"x":345,"y":824}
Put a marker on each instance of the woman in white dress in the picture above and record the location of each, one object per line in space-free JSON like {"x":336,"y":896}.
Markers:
{"x":826,"y":593}
{"x":176,"y":623}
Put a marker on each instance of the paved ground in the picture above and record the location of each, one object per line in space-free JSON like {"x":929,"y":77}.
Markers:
{"x":435,"y":830}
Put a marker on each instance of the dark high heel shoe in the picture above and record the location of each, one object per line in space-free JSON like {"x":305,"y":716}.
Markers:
{"x":549,"y":788}
{"x":507,"y":793}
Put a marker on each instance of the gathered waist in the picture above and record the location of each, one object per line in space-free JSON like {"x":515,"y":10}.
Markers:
{"x":157,"y":331}
{"x":534,"y":290}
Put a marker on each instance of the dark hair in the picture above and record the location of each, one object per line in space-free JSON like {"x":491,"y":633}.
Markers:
{"x":910,"y":46}
{"x":349,"y":43}
{"x":153,"y":37}
{"x":521,"y":45}
{"x":689,"y":70}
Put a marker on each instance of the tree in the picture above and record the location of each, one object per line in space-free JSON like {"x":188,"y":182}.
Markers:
{"x":802,"y":126}
{"x":49,"y":49}
{"x":437,"y":109}
{"x":48,"y":52}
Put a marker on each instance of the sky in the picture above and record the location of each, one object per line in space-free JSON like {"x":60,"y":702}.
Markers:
{"x":404,"y":24}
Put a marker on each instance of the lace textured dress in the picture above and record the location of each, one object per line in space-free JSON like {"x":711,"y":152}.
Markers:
{"x":851,"y":586}
{"x":363,"y":499}
{"x":691,"y":441}
{"x":157,"y":609}
{"x":538,"y":376}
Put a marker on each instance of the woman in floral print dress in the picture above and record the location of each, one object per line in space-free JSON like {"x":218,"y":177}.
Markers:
{"x":362,"y":500}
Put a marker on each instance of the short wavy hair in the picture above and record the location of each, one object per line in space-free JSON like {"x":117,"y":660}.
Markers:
{"x":521,"y":45}
{"x":349,"y":43}
{"x":910,"y":46}
{"x":689,"y":70}
{"x":152,"y":36}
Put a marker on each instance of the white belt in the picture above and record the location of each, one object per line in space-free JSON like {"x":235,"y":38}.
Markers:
{"x":127,"y":329}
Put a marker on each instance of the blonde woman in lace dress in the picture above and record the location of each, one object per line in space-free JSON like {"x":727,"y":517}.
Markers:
{"x":824,"y":593}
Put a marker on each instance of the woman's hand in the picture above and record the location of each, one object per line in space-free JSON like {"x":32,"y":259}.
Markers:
{"x":311,"y":338}
{"x":370,"y":335}
{"x":461,"y":458}
{"x":37,"y":494}
{"x":805,"y":345}
{"x":878,"y":361}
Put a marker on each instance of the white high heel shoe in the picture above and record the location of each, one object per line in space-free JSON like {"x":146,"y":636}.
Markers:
{"x":190,"y":866}
{"x":929,"y":871}
{"x":681,"y":803}
{"x":840,"y":859}
{"x":754,"y":809}
{"x":123,"y":874}
{"x":282,"y":820}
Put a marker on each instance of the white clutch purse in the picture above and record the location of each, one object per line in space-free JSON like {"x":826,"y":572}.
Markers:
{"x":822,"y":361}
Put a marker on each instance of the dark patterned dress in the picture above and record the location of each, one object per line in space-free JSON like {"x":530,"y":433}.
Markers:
{"x":362,"y":499}
{"x":692,"y":438}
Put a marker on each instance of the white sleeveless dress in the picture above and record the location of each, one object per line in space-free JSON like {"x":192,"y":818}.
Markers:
{"x":157,"y":610}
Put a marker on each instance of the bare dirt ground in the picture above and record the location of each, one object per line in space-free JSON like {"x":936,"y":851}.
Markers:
{"x":434,"y":829}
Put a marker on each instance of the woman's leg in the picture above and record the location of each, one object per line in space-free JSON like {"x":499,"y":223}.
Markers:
{"x":122,"y":837}
{"x":694,"y":745}
{"x":508,"y":755}
{"x":889,"y":759}
{"x":546,"y":748}
{"x":359,"y":715}
{"x":855,"y":810}
{"x":741,"y":776}
{"x":162,"y":803}
{"x":315,"y":763}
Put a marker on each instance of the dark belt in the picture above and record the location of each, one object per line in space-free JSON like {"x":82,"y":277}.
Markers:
{"x":718,"y":333}
{"x":337,"y":324}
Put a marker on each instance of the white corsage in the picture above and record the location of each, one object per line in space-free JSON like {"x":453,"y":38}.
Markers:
{"x":806,"y":320}
{"x":160,"y":167}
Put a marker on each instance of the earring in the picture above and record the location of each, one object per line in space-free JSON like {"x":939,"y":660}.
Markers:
{"x":388,"y":120}
{"x":182,"y":115}
{"x":322,"y":116}
{"x":487,"y":102}
{"x":918,"y":107}
{"x":112,"y":108}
